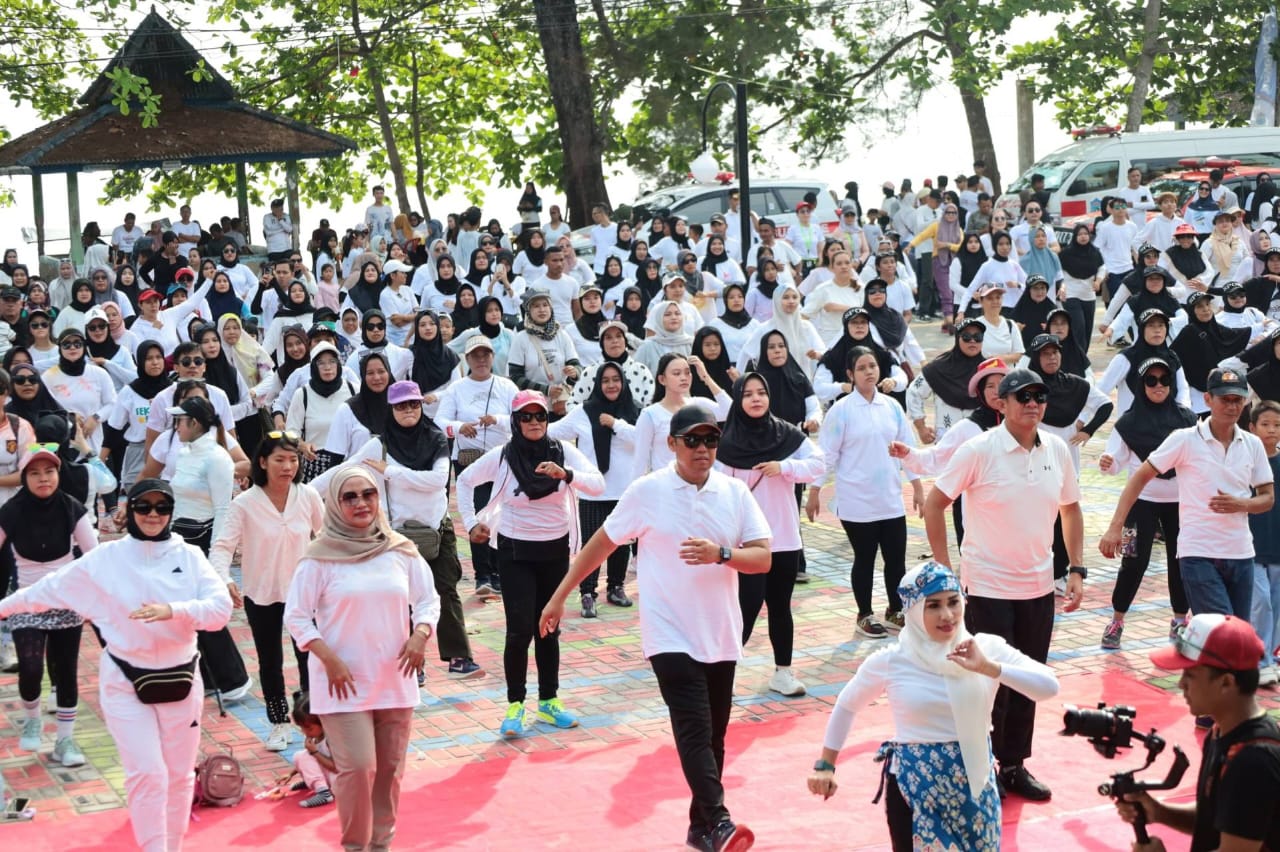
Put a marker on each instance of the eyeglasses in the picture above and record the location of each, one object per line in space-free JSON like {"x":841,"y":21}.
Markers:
{"x":695,"y":441}
{"x":1033,"y":209}
{"x":96,"y":326}
{"x":376,"y":326}
{"x":228,"y":251}
{"x":193,"y":361}
{"x":295,"y":260}
{"x":71,"y":344}
{"x":143,"y":507}
{"x":1027,"y":396}
{"x":26,"y":380}
{"x":1151,"y":381}
{"x":286,"y":434}
{"x":353,"y":498}
{"x":531,"y":416}
{"x":971,"y":338}
{"x":408,"y":405}
{"x":951,"y":213}
{"x":38,"y":325}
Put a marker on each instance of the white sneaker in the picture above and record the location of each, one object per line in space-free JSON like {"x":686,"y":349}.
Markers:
{"x":66,"y":752}
{"x":239,"y":692}
{"x":1268,"y":676}
{"x":51,"y":705}
{"x":8,"y":657}
{"x":278,"y":739}
{"x":1060,"y":587}
{"x":784,"y":682}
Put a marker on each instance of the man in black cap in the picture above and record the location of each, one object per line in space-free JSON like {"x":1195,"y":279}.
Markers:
{"x":690,"y":620}
{"x":1014,"y":477}
{"x":11,"y":313}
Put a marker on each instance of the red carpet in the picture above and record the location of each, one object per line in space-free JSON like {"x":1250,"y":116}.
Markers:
{"x":631,"y":796}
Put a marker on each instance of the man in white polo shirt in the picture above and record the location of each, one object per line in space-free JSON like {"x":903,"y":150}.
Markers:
{"x":1223,"y":477}
{"x":1016,"y":479}
{"x":710,"y":529}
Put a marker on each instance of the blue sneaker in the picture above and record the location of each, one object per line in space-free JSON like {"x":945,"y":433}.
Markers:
{"x":31,"y":730}
{"x":553,"y":712}
{"x":513,"y":723}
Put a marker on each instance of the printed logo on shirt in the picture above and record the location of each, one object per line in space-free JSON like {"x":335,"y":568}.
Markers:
{"x":11,"y":446}
{"x":177,"y":570}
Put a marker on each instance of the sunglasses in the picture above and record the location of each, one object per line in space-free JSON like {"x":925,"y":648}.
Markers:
{"x":26,"y":380}
{"x":96,"y":326}
{"x":971,"y":338}
{"x":376,"y":326}
{"x":71,"y":344}
{"x":38,"y":325}
{"x":228,"y":251}
{"x":531,"y":416}
{"x":408,"y":405}
{"x":352,"y":498}
{"x":1204,"y":189}
{"x":194,"y":361}
{"x":1152,"y":381}
{"x":695,"y":441}
{"x":1026,"y":396}
{"x":142,"y":507}
{"x":99,"y":278}
{"x":286,"y":434}
{"x":1033,"y":209}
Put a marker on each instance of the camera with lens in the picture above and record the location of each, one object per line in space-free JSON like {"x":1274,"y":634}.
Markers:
{"x":1110,"y":729}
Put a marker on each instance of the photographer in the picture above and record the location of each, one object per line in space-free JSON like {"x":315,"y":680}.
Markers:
{"x":1239,"y":780}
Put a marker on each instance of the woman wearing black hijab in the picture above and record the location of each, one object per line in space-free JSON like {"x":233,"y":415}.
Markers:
{"x":221,"y":373}
{"x":1061,"y":324}
{"x":649,"y":279}
{"x":971,"y":256}
{"x":29,"y":398}
{"x":434,"y":364}
{"x":772,"y":457}
{"x":466,"y":312}
{"x":1264,"y":377}
{"x":604,"y":429}
{"x":364,"y":414}
{"x":1083,"y":271}
{"x":478,"y":269}
{"x":1033,"y":309}
{"x":890,"y":326}
{"x":947,"y":378}
{"x":791,"y":395}
{"x":1121,"y":374}
{"x":831,"y":381}
{"x":708,"y":344}
{"x":1203,"y":344}
{"x":365,"y":293}
{"x":632,"y":311}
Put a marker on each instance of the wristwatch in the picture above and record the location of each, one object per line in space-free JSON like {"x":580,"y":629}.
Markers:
{"x":824,"y":766}
{"x":1079,"y":569}
{"x":725,"y":555}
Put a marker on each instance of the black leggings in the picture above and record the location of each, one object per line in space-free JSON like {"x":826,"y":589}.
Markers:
{"x":1144,"y":516}
{"x":890,"y":537}
{"x":221,"y":665}
{"x":483,"y":560}
{"x":266,"y":622}
{"x":530,"y":571}
{"x":774,"y":588}
{"x":592,"y":514}
{"x":898,"y":814}
{"x":64,"y":655}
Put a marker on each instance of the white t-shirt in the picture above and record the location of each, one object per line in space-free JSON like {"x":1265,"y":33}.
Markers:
{"x":190,"y":229}
{"x":1006,"y":488}
{"x":125,"y":238}
{"x":603,"y":237}
{"x":563,"y":291}
{"x":687,"y":609}
{"x":1204,"y":471}
{"x":1116,"y":244}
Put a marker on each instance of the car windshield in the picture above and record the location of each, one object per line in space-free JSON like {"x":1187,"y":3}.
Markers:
{"x":1054,"y":171}
{"x":1180,"y":187}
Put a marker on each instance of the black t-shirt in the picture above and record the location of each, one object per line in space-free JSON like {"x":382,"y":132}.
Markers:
{"x":1240,"y":799}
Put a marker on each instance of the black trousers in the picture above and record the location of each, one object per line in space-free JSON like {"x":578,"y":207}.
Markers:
{"x":957,"y":518}
{"x":890,"y":538}
{"x":773,"y":588}
{"x":698,"y":697}
{"x":266,"y":623}
{"x":1061,"y":560}
{"x":898,"y":814}
{"x":926,"y":293}
{"x":62,"y":646}
{"x":1082,"y":313}
{"x":483,"y":560}
{"x":1144,"y":516}
{"x":1028,"y":626}
{"x":592,"y":515}
{"x":530,"y":571}
{"x":446,"y":571}
{"x":220,"y":660}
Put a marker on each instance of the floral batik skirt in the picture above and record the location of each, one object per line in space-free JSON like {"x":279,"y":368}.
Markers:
{"x":944,"y":815}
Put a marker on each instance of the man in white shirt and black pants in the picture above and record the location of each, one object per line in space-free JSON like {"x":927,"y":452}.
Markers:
{"x":690,"y":619}
{"x":1013,"y":477}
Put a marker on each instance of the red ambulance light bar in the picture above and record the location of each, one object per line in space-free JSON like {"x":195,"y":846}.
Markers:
{"x":1097,"y":130}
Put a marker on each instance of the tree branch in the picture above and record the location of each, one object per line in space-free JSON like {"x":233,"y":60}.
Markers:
{"x":615,"y":49}
{"x":875,"y":67}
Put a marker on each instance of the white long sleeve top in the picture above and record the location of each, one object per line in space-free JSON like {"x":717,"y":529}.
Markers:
{"x":855,"y":439}
{"x":271,"y":542}
{"x":576,"y":426}
{"x":548,"y":519}
{"x":115,"y":578}
{"x":364,"y":611}
{"x":654,"y":425}
{"x":408,"y":495}
{"x":466,"y":401}
{"x":1125,"y":460}
{"x":776,"y":495}
{"x":203,"y":482}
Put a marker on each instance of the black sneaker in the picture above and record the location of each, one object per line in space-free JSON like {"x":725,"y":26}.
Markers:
{"x":588,"y":606}
{"x":727,"y":837}
{"x":1020,"y":782}
{"x":698,"y":838}
{"x":618,"y":596}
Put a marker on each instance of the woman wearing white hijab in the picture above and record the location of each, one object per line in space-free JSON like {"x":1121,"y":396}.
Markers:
{"x":939,"y":778}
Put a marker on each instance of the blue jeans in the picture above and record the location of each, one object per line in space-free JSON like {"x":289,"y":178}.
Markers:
{"x":1264,"y":615}
{"x":1223,"y":586}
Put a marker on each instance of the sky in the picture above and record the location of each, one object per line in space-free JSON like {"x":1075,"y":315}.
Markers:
{"x":917,"y":150}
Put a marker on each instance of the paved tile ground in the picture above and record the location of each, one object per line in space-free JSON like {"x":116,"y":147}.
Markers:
{"x":604,"y":677}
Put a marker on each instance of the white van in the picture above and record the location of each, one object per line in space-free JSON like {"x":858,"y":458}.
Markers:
{"x":1078,"y":176}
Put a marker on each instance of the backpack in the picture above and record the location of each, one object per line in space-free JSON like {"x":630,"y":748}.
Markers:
{"x":219,"y":782}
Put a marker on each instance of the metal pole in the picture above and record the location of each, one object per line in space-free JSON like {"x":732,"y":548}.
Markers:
{"x":1026,"y":126}
{"x":744,"y":160}
{"x":73,"y":215}
{"x":37,"y":202}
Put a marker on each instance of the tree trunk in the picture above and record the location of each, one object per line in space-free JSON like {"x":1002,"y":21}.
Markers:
{"x":581,"y":143}
{"x":1146,"y":64}
{"x":384,"y":113}
{"x":416,"y":125}
{"x":975,"y":113}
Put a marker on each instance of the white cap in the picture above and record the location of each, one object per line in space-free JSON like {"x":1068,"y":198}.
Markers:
{"x":394,"y":265}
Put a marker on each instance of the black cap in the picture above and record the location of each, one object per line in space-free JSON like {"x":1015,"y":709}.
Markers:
{"x":877,"y":283}
{"x":1227,"y":383}
{"x":1040,"y":341}
{"x":1020,"y":380}
{"x":1152,"y":272}
{"x":690,"y":417}
{"x":10,"y":293}
{"x":198,"y":408}
{"x":853,"y":313}
{"x":1273,"y":250}
{"x":1152,"y":314}
{"x":1145,"y":366}
{"x":1037,"y":280}
{"x":961,"y":325}
{"x":1232,"y":288}
{"x":1197,"y":297}
{"x":1147,"y":248}
{"x":717,"y":217}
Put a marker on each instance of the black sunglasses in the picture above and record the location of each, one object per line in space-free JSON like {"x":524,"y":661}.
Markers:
{"x":1151,"y":381}
{"x":195,"y":361}
{"x":376,"y":326}
{"x":71,"y":344}
{"x":694,"y":441}
{"x":1025,"y":396}
{"x":142,"y":507}
{"x":38,"y":325}
{"x":96,"y":326}
{"x":971,"y":338}
{"x":531,"y":416}
{"x":26,"y":380}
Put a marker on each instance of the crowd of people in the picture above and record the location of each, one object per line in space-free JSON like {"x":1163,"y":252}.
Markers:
{"x":672,"y":407}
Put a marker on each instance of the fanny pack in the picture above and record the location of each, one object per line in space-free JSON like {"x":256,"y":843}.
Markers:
{"x":466,"y":458}
{"x":426,"y":539}
{"x":160,"y":686}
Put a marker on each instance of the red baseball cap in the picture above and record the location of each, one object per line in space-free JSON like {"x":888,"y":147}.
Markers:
{"x":1185,"y":230}
{"x":1221,"y":641}
{"x":803,"y":205}
{"x":148,"y":294}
